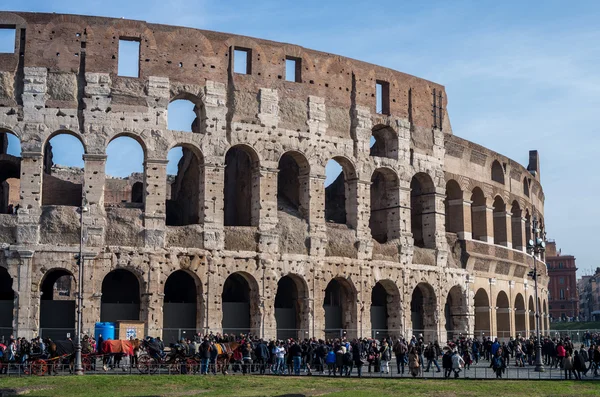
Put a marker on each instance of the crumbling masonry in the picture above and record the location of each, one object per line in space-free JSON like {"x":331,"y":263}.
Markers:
{"x":423,"y":232}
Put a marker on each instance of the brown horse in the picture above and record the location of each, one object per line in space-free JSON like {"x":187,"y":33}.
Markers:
{"x":225,"y":354}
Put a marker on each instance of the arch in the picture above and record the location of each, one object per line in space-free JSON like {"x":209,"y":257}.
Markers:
{"x":7,"y":301}
{"x":500,"y":235}
{"x":479,"y":227}
{"x":455,"y":311}
{"x":120,"y":296}
{"x":242,"y":187}
{"x":57,"y":304}
{"x":482,"y":314}
{"x":186,"y":113}
{"x":384,"y":221}
{"x":291,"y":307}
{"x":526,"y":187}
{"x":126,"y":156}
{"x":497,"y":172}
{"x":62,"y":181}
{"x":386,"y":142}
{"x":517,"y":226}
{"x":423,"y":309}
{"x":181,"y":306}
{"x":240,"y":302}
{"x":503,"y":316}
{"x":453,"y":205}
{"x":531,"y":307}
{"x":422,"y":210}
{"x":137,"y":192}
{"x":293,"y":184}
{"x":520,"y":316}
{"x":10,"y":171}
{"x":185,"y":187}
{"x":341,"y":195}
{"x":385,"y":310}
{"x":340,"y":308}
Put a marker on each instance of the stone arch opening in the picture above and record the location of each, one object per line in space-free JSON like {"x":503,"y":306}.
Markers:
{"x":7,"y":301}
{"x":10,"y":172}
{"x":62,"y":181}
{"x":120,"y":296}
{"x":340,"y":192}
{"x":453,"y":205}
{"x":422,"y":210}
{"x":531,"y":310}
{"x":124,"y":169}
{"x":385,"y":142}
{"x":516,"y":226}
{"x":242,"y":187}
{"x":293,"y":185}
{"x":479,"y":227}
{"x":181,"y":306}
{"x":57,"y":305}
{"x":500,"y":235}
{"x":291,"y":309}
{"x":240,"y":304}
{"x":497,"y":172}
{"x":482,"y":314}
{"x":520,"y":316}
{"x":423,"y":310}
{"x":185,"y":187}
{"x":340,"y":308}
{"x":385,"y":309}
{"x":526,"y":187}
{"x":185,"y":114}
{"x":384,"y":221}
{"x":503,"y":316}
{"x":455,"y":312}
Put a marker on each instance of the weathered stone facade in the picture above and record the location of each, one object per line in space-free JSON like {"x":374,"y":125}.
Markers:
{"x":424,"y":224}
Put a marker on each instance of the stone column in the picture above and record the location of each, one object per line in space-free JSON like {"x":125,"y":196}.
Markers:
{"x":503,"y":233}
{"x":316,"y":216}
{"x":155,"y":180}
{"x":267,"y":218}
{"x":360,"y":208}
{"x":406,"y":238}
{"x":483,"y":222}
{"x":93,"y":187}
{"x":518,"y":223}
{"x":28,"y":229}
{"x":214,"y":179}
{"x":493,"y":317}
{"x":460,"y":210}
{"x":27,"y":303}
{"x":511,"y":308}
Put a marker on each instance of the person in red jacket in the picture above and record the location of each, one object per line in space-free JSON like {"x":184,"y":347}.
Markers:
{"x":560,"y":353}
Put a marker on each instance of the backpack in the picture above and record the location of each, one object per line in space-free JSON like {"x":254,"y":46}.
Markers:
{"x":330,"y":359}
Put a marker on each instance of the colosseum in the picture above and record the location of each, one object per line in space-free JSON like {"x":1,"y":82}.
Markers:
{"x":422,"y":232}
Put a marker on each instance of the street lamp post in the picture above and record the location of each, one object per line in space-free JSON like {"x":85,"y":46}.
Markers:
{"x":78,"y":364}
{"x":536,"y":246}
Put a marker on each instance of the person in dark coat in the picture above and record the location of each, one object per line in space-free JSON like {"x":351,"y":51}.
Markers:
{"x":262,"y":356}
{"x":205,"y":350}
{"x":447,"y":363}
{"x":578,"y":364}
{"x":357,"y":356}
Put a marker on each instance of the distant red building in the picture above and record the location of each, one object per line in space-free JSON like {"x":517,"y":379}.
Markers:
{"x":563,"y":299}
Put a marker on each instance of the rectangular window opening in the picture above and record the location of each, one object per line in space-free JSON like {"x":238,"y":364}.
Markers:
{"x":129,"y":57}
{"x":7,"y":40}
{"x":383,"y":97}
{"x":242,"y":59}
{"x":293,"y":68}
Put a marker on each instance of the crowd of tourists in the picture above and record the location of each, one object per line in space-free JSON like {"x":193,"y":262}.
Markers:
{"x":346,"y":357}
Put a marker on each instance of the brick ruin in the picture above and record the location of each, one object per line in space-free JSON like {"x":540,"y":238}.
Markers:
{"x":422,"y":232}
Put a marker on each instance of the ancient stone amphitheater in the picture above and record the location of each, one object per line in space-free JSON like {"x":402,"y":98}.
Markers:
{"x":422,"y":232}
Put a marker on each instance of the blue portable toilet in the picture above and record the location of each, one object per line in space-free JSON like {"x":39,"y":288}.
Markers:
{"x":107,"y":330}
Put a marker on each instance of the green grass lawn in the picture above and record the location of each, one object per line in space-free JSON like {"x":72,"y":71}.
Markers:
{"x":575,"y":326}
{"x":181,"y":385}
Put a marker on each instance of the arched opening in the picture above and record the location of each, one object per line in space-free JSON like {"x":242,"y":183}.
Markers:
{"x":520,"y":317}
{"x":531,"y":307}
{"x":500,"y":236}
{"x":10,"y":173}
{"x":120,"y":296}
{"x":291,"y":308}
{"x":423,"y":310}
{"x":63,"y":171}
{"x":340,"y":192}
{"x":180,"y":306}
{"x":526,"y":187}
{"x":384,"y":142}
{"x":240,"y":304}
{"x":516,"y":226}
{"x":453,"y":205}
{"x":57,"y":305}
{"x":455,"y":312}
{"x":385,"y":205}
{"x":482,"y":314}
{"x":125,"y":158}
{"x":385,"y":310}
{"x":503,"y":316}
{"x":479,"y":215}
{"x":422,"y":210}
{"x":185,"y":187}
{"x":242,"y":187}
{"x":340,"y":308}
{"x":497,"y":172}
{"x":293,"y":185}
{"x":186,"y":114}
{"x":7,"y":301}
{"x":527,"y":227}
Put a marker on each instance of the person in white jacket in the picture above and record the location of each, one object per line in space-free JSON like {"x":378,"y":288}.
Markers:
{"x":457,"y":363}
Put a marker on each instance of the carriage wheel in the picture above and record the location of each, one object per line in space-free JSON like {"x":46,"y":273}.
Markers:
{"x":193,"y":367}
{"x":39,"y":367}
{"x":145,"y":364}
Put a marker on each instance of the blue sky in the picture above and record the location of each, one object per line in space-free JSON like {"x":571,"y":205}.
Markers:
{"x":519,"y":75}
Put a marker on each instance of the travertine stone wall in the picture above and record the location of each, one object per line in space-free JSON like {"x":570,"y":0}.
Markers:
{"x":67,"y":82}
